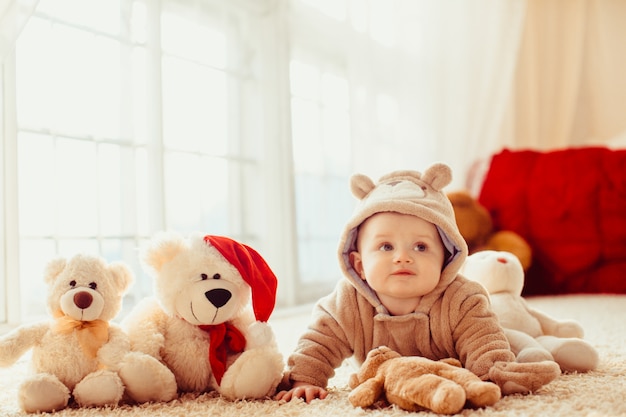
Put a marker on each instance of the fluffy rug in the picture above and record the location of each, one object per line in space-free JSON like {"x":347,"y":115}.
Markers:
{"x":594,"y":394}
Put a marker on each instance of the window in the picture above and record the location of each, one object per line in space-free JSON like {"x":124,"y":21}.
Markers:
{"x":130,"y":120}
{"x":322,"y":159}
{"x":241,"y":118}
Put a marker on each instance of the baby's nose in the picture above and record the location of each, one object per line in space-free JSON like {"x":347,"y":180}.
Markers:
{"x":403,"y":255}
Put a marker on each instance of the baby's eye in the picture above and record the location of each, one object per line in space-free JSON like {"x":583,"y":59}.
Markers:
{"x":385,"y":247}
{"x":419,"y":247}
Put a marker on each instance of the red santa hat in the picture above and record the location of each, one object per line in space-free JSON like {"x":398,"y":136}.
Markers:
{"x":253,"y":269}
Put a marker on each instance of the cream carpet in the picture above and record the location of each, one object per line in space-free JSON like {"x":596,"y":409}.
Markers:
{"x":596,"y":394}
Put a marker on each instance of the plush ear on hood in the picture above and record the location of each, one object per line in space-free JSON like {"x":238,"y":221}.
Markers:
{"x":438,"y":176}
{"x":361,"y":185}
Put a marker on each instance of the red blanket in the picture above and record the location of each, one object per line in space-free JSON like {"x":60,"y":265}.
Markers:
{"x":570,"y":205}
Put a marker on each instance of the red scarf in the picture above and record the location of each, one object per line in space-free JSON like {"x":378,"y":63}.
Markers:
{"x":224,"y":339}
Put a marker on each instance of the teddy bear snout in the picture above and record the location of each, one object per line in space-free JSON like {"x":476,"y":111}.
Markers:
{"x":83,"y":299}
{"x":218,"y":297}
{"x":82,"y":304}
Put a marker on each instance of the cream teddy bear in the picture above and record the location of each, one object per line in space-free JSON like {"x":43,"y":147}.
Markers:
{"x":200,"y":324}
{"x":78,"y":353}
{"x":533,"y":335}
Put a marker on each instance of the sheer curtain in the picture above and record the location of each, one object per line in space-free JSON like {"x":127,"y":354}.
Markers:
{"x":570,"y":87}
{"x":450,"y":86}
{"x":470,"y":74}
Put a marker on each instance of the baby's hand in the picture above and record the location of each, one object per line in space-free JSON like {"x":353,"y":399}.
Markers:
{"x":302,"y":390}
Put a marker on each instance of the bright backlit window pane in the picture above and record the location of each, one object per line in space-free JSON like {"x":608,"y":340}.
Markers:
{"x":76,"y":192}
{"x":321,"y":135}
{"x":189,"y":39}
{"x":40,"y":252}
{"x":195,"y":107}
{"x":335,"y":92}
{"x":382,"y":22}
{"x":68,"y":80}
{"x":109,"y":189}
{"x":332,"y":8}
{"x":100,"y":15}
{"x":307,"y":153}
{"x":36,"y":184}
{"x":305,"y":80}
{"x":197,"y":193}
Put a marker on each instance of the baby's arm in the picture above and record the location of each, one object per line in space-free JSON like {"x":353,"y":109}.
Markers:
{"x":321,"y":349}
{"x":303,"y":390}
{"x":478,"y":338}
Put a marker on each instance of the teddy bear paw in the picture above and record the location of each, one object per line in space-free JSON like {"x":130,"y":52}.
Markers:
{"x":533,"y":354}
{"x":448,"y":398}
{"x":255,"y":374}
{"x":576,"y":355}
{"x":569,"y":328}
{"x":98,"y":389}
{"x":146,"y":379}
{"x":482,"y":394}
{"x":43,"y":393}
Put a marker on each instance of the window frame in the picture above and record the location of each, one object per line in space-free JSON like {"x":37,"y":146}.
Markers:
{"x":9,"y":258}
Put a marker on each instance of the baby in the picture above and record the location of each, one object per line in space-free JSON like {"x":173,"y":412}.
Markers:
{"x":400,"y":253}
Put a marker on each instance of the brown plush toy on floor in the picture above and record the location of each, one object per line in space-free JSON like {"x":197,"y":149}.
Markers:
{"x":415,"y":383}
{"x":476,"y":226}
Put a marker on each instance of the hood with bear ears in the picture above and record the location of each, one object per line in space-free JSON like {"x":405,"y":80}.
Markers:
{"x":405,"y":192}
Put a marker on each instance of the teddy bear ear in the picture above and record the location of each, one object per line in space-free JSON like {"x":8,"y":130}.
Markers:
{"x":53,"y":269}
{"x":361,"y":185}
{"x":163,"y":248}
{"x":123,"y":275}
{"x":438,"y":176}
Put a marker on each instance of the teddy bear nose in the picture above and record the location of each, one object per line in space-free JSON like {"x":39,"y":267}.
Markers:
{"x":83,"y":299}
{"x":218,"y":296}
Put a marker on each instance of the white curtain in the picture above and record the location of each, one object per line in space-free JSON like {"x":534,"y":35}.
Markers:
{"x":470,"y":75}
{"x":452,"y":84}
{"x":539,"y":74}
{"x":13,"y":16}
{"x":570,"y":87}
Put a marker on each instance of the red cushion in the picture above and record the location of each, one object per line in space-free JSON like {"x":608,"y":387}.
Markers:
{"x":570,"y":205}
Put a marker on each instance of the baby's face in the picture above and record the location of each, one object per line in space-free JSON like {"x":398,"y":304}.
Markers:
{"x":400,"y":256}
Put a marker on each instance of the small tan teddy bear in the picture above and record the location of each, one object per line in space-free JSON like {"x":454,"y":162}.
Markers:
{"x":534,"y":336}
{"x":415,"y":383}
{"x":79,"y":352}
{"x":208,"y":321}
{"x":477,"y":228}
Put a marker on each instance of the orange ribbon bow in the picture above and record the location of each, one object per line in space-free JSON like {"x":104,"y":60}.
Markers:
{"x":91,"y":335}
